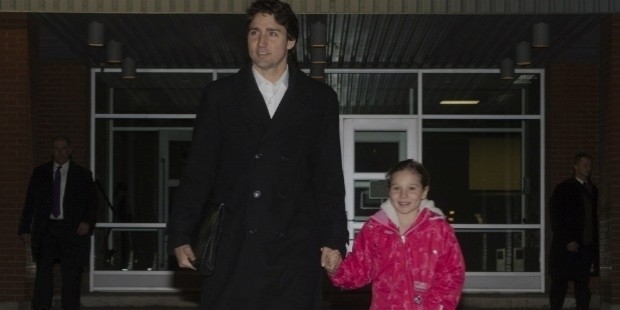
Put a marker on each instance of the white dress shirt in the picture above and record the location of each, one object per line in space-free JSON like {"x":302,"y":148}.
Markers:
{"x":63,"y":183}
{"x":272,"y":92}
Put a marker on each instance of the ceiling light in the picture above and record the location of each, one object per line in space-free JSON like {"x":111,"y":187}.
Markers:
{"x":523,"y":53}
{"x":317,"y":71}
{"x":129,"y":68}
{"x":115,"y":52}
{"x":525,"y":79}
{"x":459,"y":102}
{"x":318,"y":35}
{"x":540,"y":35}
{"x":317,"y":55}
{"x":507,"y":69}
{"x":95,"y":34}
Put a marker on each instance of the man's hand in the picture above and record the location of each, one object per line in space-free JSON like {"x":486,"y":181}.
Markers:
{"x":83,"y":229}
{"x":185,"y":256}
{"x":25,"y":238}
{"x":330,"y":259}
{"x":572,"y":247}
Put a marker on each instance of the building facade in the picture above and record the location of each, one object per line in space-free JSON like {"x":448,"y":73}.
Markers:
{"x":43,"y":98}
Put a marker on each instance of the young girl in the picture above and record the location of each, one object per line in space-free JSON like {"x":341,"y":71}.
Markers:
{"x":407,"y":250}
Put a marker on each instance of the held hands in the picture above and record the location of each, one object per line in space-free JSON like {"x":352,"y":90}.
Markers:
{"x":185,"y":256}
{"x":330,"y":259}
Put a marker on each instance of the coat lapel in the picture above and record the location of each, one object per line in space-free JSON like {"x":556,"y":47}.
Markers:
{"x":49,"y":175}
{"x":251,"y":105}
{"x":294,"y":107}
{"x":68,"y":185}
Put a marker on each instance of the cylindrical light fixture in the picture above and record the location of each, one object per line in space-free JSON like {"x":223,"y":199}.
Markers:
{"x":115,"y":52}
{"x":318,"y":35}
{"x":95,"y":34}
{"x":540,"y":35}
{"x":523,"y":53}
{"x":507,"y":69}
{"x":129,"y":68}
{"x":317,"y":55}
{"x":317,"y":71}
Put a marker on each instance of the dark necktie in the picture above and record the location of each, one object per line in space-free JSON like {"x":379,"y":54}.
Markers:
{"x":587,"y":186}
{"x":56,"y":193}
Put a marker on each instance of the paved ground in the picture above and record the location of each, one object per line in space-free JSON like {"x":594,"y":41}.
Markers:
{"x":333,"y":301}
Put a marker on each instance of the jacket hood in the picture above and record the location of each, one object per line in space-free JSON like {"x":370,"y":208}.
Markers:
{"x":388,"y":212}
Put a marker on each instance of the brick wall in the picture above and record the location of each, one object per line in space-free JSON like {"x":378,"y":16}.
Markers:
{"x":610,"y":159}
{"x":16,"y":141}
{"x":63,"y":108}
{"x":573,"y":98}
{"x":37,"y":102}
{"x":572,"y":118}
{"x":583,"y":110}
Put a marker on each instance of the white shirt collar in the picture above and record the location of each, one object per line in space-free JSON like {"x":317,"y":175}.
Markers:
{"x":65,"y":166}
{"x":261,"y":81}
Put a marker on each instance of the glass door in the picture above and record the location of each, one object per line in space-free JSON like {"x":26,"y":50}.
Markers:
{"x":370,"y":147}
{"x":173,"y":150}
{"x":145,"y":165}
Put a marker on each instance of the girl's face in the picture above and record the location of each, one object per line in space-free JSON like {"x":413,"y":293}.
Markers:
{"x":407,"y":192}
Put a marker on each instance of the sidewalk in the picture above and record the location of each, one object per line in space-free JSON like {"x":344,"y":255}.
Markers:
{"x":332,"y":301}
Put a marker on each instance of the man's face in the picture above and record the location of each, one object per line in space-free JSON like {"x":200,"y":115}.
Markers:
{"x":62,"y":151}
{"x":268,"y":44}
{"x":583,"y":168}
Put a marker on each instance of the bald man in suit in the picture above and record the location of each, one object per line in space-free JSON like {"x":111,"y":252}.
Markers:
{"x":59,"y":215}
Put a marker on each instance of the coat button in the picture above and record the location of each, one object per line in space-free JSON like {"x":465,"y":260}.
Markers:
{"x":258,"y":156}
{"x":252,"y":231}
{"x":279,"y":235}
{"x":284,"y":158}
{"x":256,"y":194}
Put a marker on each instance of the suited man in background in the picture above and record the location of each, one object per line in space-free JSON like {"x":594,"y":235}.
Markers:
{"x":59,"y":214}
{"x":265,"y":147}
{"x":574,"y":248}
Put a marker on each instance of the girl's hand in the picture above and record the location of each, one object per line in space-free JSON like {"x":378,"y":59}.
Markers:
{"x":330,"y":259}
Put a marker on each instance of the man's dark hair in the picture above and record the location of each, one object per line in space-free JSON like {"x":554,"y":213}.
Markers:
{"x":579,"y":156}
{"x":282,"y":13}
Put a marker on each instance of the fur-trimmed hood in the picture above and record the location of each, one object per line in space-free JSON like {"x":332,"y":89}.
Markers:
{"x":390,"y":212}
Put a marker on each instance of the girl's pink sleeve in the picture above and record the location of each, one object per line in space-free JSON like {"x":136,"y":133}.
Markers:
{"x":446,"y":288}
{"x":356,"y":269}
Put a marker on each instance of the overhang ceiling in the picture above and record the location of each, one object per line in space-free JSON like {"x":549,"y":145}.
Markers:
{"x":360,"y":41}
{"x":354,"y":41}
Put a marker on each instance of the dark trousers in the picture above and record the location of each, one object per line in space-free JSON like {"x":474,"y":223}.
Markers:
{"x":559,"y":286}
{"x":581,"y":280}
{"x":53,"y":248}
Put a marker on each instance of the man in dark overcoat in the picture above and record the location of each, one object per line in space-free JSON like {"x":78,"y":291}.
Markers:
{"x":574,"y":248}
{"x":59,"y":222}
{"x":266,"y":147}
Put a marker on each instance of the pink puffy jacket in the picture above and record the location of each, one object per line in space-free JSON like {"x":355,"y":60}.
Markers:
{"x":422,"y":269}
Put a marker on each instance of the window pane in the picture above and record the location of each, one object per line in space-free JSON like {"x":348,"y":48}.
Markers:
{"x":371,"y":93}
{"x":377,"y":151}
{"x":174,"y":93}
{"x":484,"y":172}
{"x":130,"y":167}
{"x":132,"y":249}
{"x":368,"y":197}
{"x":501,"y":251}
{"x":493,"y":95}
